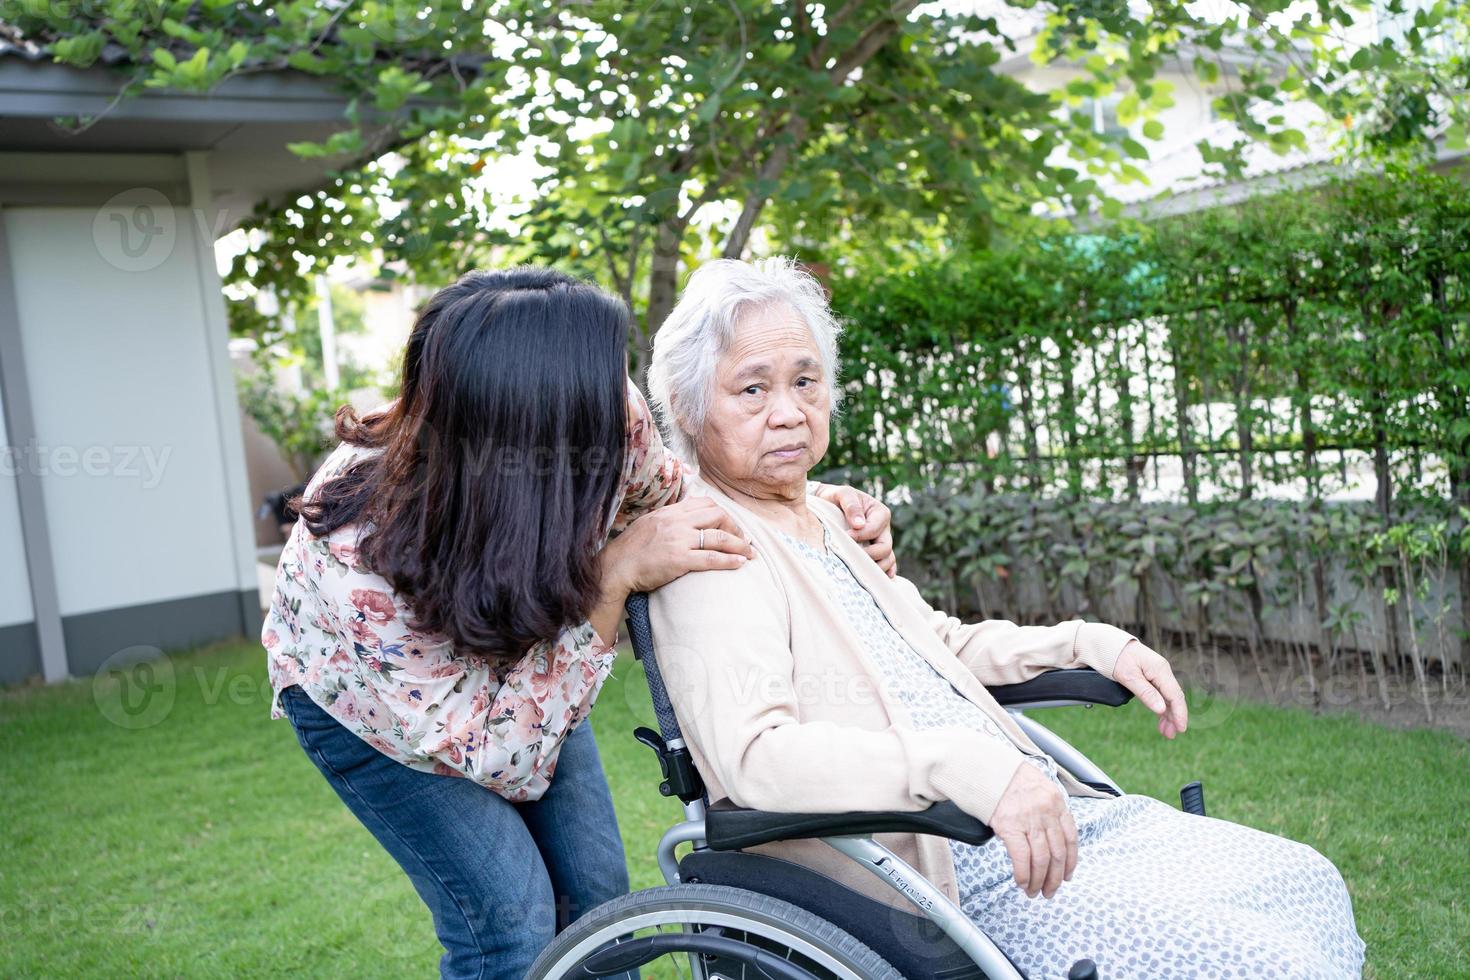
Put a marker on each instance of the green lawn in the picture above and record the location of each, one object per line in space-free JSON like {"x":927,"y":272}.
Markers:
{"x":207,"y":845}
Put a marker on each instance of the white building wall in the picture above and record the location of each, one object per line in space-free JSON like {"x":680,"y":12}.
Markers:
{"x":15,"y":586}
{"x":126,"y":415}
{"x":19,"y":654}
{"x":1182,"y":121}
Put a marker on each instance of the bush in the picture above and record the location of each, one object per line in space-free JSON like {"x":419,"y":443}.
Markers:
{"x":1245,"y":345}
{"x":1297,"y":578}
{"x":299,"y":423}
{"x":1019,"y":400}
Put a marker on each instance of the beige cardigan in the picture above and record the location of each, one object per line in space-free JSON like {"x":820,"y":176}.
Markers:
{"x":783,"y":710}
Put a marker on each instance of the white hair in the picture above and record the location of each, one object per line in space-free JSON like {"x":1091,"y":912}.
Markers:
{"x":702,"y":326}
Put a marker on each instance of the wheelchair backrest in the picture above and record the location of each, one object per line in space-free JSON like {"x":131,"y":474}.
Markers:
{"x":641,"y":630}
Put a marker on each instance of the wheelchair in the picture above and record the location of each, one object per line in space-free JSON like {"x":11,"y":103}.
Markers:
{"x":730,"y":915}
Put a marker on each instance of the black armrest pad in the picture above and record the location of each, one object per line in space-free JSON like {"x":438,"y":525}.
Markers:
{"x":728,"y":827}
{"x":1081,"y":684}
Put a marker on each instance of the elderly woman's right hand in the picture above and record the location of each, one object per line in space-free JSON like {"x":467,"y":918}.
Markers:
{"x":693,"y":535}
{"x":1033,"y":822}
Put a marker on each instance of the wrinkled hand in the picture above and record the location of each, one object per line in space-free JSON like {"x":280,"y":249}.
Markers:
{"x":665,"y":543}
{"x":1151,"y":680}
{"x":868,"y":523}
{"x":1033,"y":822}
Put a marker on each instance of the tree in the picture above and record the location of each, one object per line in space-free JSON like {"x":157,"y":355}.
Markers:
{"x":726,"y":106}
{"x":667,"y":128}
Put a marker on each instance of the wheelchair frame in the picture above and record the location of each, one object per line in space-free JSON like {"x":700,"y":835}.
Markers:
{"x":888,"y":867}
{"x":723,"y":827}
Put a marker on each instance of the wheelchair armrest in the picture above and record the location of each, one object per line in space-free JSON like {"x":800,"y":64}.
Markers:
{"x":1080,"y":684}
{"x":728,"y":827}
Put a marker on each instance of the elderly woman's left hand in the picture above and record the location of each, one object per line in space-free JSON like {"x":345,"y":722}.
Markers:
{"x":1151,"y":679}
{"x":868,"y":523}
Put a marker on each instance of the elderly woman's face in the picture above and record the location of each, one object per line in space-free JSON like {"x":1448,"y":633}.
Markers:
{"x":768,"y":414}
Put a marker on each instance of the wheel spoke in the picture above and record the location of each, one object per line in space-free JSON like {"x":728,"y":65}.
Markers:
{"x":788,"y":937}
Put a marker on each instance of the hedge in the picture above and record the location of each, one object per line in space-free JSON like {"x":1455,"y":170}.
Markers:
{"x":1203,"y":388}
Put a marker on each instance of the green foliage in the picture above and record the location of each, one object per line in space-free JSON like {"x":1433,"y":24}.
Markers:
{"x":862,"y":120}
{"x":299,"y":423}
{"x":1291,"y":346}
{"x":1201,"y":572}
{"x":1319,"y":326}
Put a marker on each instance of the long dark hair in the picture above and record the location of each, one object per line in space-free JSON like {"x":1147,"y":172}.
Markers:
{"x":502,"y":459}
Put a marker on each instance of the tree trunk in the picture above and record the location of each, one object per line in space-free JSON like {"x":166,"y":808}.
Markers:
{"x":1326,"y":643}
{"x":1415,"y":655}
{"x":1459,"y":468}
{"x":1150,"y":403}
{"x":1069,"y":419}
{"x":1132,"y":464}
{"x":1028,"y":424}
{"x":1238,"y":334}
{"x":1383,"y":494}
{"x":1181,"y":422}
{"x":663,"y":275}
{"x":663,"y":280}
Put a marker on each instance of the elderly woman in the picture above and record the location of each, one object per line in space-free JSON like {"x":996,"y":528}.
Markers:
{"x":808,"y":680}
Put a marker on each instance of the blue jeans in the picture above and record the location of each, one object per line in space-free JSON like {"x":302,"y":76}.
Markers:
{"x":500,"y":878}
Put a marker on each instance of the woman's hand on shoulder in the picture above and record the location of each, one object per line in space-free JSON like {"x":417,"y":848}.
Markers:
{"x":1151,"y":679}
{"x":693,"y":535}
{"x":869,"y":522}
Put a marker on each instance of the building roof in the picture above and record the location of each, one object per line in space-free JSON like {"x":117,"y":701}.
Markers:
{"x":1179,"y":183}
{"x":244,"y":124}
{"x":13,"y":45}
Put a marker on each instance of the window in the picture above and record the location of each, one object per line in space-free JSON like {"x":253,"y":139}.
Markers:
{"x":1101,"y":116}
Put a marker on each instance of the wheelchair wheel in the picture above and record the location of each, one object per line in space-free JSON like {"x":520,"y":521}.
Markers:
{"x":706,"y":932}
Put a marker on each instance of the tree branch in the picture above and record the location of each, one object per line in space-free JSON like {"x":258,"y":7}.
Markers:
{"x":819,"y":54}
{"x":794,"y":132}
{"x":622,"y":285}
{"x":871,"y":40}
{"x":791,"y":135}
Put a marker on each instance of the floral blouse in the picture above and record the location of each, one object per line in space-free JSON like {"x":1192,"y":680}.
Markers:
{"x":339,"y":632}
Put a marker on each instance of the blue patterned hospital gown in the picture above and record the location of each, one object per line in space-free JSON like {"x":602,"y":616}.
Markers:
{"x":1157,"y":893}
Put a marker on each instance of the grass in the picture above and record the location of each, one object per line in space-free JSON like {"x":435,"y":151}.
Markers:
{"x":205,"y":844}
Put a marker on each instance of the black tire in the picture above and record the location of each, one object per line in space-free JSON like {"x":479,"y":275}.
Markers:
{"x":770,"y":919}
